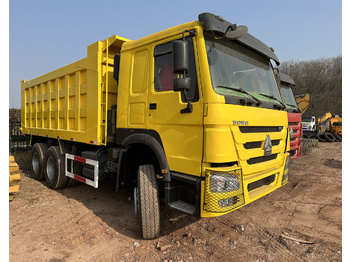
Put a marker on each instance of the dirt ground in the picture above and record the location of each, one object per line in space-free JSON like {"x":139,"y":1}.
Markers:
{"x":301,"y":221}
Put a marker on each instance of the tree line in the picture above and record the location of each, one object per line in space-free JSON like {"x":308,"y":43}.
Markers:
{"x":322,"y":79}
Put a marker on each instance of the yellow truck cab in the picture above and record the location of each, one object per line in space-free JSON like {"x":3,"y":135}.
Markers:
{"x":191,"y":114}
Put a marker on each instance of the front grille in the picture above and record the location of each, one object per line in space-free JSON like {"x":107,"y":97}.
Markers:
{"x":252,"y":145}
{"x":261,"y":159}
{"x":293,"y":123}
{"x":293,"y":138}
{"x":260,"y":129}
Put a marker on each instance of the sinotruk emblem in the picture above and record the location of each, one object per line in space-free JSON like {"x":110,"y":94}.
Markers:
{"x":267,"y":146}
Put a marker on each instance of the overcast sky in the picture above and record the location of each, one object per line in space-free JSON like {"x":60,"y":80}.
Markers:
{"x":47,"y":34}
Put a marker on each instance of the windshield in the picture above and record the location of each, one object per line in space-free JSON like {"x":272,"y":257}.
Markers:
{"x":288,"y":96}
{"x":306,"y":119}
{"x":234,"y":67}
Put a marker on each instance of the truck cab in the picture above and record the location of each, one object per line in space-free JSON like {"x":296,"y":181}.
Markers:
{"x":225,"y":135}
{"x":309,"y":123}
{"x":294,"y":115}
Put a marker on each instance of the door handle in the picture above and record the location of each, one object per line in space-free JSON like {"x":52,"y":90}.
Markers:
{"x":152,"y":106}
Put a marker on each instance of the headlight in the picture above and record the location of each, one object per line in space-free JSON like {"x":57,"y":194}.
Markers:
{"x":223,"y":183}
{"x":286,"y":171}
{"x":291,"y":132}
{"x":223,"y":190}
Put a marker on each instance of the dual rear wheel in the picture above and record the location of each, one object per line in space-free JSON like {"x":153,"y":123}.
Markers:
{"x":48,"y":163}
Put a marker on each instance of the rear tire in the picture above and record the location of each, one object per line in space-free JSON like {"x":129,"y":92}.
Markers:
{"x":148,"y":201}
{"x":54,"y":168}
{"x":37,"y":158}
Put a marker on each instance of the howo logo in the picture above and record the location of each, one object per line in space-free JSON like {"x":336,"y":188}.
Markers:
{"x":240,"y":123}
{"x":267,"y":146}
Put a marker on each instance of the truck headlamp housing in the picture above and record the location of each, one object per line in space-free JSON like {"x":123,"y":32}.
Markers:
{"x":223,"y":190}
{"x":223,"y":183}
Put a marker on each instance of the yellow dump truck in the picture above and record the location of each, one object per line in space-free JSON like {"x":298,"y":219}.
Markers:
{"x":191,"y":115}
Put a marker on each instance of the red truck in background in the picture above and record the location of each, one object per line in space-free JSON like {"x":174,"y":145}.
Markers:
{"x":294,"y":115}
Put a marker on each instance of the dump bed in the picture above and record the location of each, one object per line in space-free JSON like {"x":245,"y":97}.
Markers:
{"x":71,"y":103}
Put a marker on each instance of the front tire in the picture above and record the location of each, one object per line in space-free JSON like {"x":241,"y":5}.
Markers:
{"x":148,"y":201}
{"x":54,"y":168}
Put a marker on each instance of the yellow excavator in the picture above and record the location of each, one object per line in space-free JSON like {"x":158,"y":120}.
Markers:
{"x":329,"y":127}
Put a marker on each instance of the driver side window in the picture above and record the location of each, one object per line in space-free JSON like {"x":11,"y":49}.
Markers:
{"x":163,"y":70}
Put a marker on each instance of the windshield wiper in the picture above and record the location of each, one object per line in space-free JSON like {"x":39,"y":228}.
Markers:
{"x":274,"y":98}
{"x":242,"y":91}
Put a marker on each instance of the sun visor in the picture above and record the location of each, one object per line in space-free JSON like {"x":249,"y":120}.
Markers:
{"x":219,"y":26}
{"x":286,"y":78}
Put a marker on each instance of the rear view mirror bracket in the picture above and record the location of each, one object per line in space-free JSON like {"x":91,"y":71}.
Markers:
{"x":181,"y":67}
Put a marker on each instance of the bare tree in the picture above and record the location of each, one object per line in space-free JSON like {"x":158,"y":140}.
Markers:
{"x":322,"y":79}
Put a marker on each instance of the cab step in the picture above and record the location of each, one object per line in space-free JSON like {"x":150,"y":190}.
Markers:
{"x":184,"y":207}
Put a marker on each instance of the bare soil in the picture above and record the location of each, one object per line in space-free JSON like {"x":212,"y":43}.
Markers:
{"x":302,"y":221}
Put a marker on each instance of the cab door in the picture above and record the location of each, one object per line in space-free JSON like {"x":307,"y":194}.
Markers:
{"x":181,"y":133}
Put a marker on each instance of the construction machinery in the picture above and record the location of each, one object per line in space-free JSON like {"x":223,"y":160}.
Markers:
{"x":329,"y":128}
{"x":191,"y":115}
{"x":303,"y":102}
{"x":309,"y":126}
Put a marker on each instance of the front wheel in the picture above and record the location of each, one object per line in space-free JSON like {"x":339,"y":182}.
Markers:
{"x":147,"y":194}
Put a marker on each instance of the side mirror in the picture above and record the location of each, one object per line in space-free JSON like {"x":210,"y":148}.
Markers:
{"x":182,"y":84}
{"x":180,"y":57}
{"x":181,"y":67}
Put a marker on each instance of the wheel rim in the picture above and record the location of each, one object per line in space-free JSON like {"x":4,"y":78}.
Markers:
{"x":35,"y":162}
{"x":50,"y":168}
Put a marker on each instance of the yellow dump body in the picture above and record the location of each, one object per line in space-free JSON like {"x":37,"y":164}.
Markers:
{"x":71,"y":103}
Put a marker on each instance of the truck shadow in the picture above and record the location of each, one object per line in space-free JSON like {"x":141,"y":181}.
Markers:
{"x":332,"y":163}
{"x":116,"y":209}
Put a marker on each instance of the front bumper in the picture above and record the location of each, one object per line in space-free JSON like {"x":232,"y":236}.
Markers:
{"x":252,"y":187}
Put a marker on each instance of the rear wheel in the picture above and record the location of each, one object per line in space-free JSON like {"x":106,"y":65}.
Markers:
{"x":37,"y":158}
{"x":148,"y":201}
{"x":54,"y":168}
